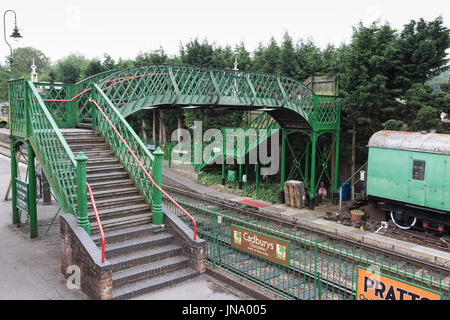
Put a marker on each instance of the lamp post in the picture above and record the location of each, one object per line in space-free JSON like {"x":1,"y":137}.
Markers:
{"x":14,"y":35}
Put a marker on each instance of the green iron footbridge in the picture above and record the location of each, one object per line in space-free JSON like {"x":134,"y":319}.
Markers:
{"x":40,"y":110}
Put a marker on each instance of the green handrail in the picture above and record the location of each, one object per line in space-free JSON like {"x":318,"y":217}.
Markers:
{"x":53,"y":152}
{"x":134,"y":142}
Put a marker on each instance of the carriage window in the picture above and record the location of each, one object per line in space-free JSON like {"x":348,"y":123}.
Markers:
{"x":418,"y":171}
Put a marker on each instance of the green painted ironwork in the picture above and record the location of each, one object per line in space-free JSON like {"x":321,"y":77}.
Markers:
{"x":134,"y":89}
{"x":320,"y":268}
{"x":53,"y":152}
{"x":132,"y":139}
{"x":16,"y":90}
{"x":35,"y":123}
{"x":264,"y":121}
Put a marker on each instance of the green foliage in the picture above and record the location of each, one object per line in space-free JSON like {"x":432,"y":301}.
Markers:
{"x":4,"y":77}
{"x":427,"y":118}
{"x":269,"y":192}
{"x":209,"y":178}
{"x":393,"y":124}
{"x":23,"y":59}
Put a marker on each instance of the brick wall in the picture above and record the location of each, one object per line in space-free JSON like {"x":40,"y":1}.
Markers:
{"x":78,"y":249}
{"x":195,"y":250}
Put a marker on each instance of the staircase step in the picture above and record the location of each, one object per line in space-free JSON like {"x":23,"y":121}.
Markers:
{"x":126,"y":233}
{"x":127,"y":221}
{"x":127,"y":276}
{"x":99,"y":194}
{"x":93,"y":162}
{"x":141,"y":257}
{"x":106,"y":213}
{"x":100,"y":146}
{"x":96,"y":154}
{"x":106,"y":176}
{"x":76,"y":139}
{"x":84,"y":125}
{"x":77,"y":132}
{"x":103,"y":168}
{"x":138,"y":288}
{"x":102,"y":185}
{"x":127,"y":246}
{"x":116,"y":202}
{"x":87,"y":120}
{"x":134,"y":259}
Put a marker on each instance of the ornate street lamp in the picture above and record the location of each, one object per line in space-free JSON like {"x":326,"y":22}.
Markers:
{"x":15,"y":35}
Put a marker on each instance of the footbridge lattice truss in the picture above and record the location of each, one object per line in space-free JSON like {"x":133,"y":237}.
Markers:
{"x":39,"y":110}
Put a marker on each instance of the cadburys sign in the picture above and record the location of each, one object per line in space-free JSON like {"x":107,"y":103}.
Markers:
{"x":261,"y":245}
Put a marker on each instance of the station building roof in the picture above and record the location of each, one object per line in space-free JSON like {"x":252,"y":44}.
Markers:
{"x":411,"y":141}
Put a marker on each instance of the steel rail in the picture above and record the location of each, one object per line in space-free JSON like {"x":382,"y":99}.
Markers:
{"x":298,"y":226}
{"x":100,"y":228}
{"x":145,"y":171}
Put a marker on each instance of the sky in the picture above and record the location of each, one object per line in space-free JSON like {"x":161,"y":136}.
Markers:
{"x":126,"y":28}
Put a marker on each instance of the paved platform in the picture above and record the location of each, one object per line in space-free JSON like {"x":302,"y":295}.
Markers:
{"x":30,"y":268}
{"x":308,"y":218}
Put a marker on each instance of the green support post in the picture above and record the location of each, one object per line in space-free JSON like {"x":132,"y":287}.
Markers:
{"x":169,"y":156}
{"x":312,"y":184}
{"x":94,"y":109}
{"x":224,"y":156}
{"x":257,"y":178}
{"x":11,"y":63}
{"x":240,"y":176}
{"x":157,"y":210}
{"x":83,"y":220}
{"x":283,"y":165}
{"x":32,"y":192}
{"x":306,"y":175}
{"x":72,"y":106}
{"x":336,"y":163}
{"x":15,"y":211}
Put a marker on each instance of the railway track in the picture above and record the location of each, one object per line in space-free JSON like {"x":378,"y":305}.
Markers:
{"x":343,"y":254}
{"x":419,"y":237}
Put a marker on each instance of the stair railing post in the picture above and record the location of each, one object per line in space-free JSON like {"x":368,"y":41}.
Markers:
{"x":14,"y":165}
{"x":32,"y":211}
{"x":157,"y":210}
{"x":83,"y":220}
{"x":94,"y":109}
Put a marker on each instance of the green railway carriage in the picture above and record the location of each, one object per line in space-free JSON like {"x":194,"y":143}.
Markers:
{"x":409,"y":177}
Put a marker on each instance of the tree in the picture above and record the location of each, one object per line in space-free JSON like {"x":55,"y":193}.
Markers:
{"x":4,"y":77}
{"x":197,"y":54}
{"x":427,"y":118}
{"x":94,"y":67}
{"x":23,"y":59}
{"x":153,"y":57}
{"x":422,"y":52}
{"x":71,"y":68}
{"x":267,"y":59}
{"x":288,"y":57}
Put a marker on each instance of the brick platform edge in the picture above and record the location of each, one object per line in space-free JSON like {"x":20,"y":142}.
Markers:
{"x":78,"y":249}
{"x":194,"y":249}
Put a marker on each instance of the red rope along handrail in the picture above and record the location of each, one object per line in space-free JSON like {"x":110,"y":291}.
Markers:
{"x":145,"y":171}
{"x":98,"y":221}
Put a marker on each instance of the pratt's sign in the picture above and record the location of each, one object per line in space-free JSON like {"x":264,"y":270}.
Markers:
{"x":373,"y":285}
{"x":261,"y":245}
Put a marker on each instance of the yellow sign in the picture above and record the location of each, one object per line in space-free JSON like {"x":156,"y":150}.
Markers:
{"x":373,"y":285}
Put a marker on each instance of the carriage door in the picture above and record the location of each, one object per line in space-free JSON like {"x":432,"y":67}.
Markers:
{"x":417,"y":181}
